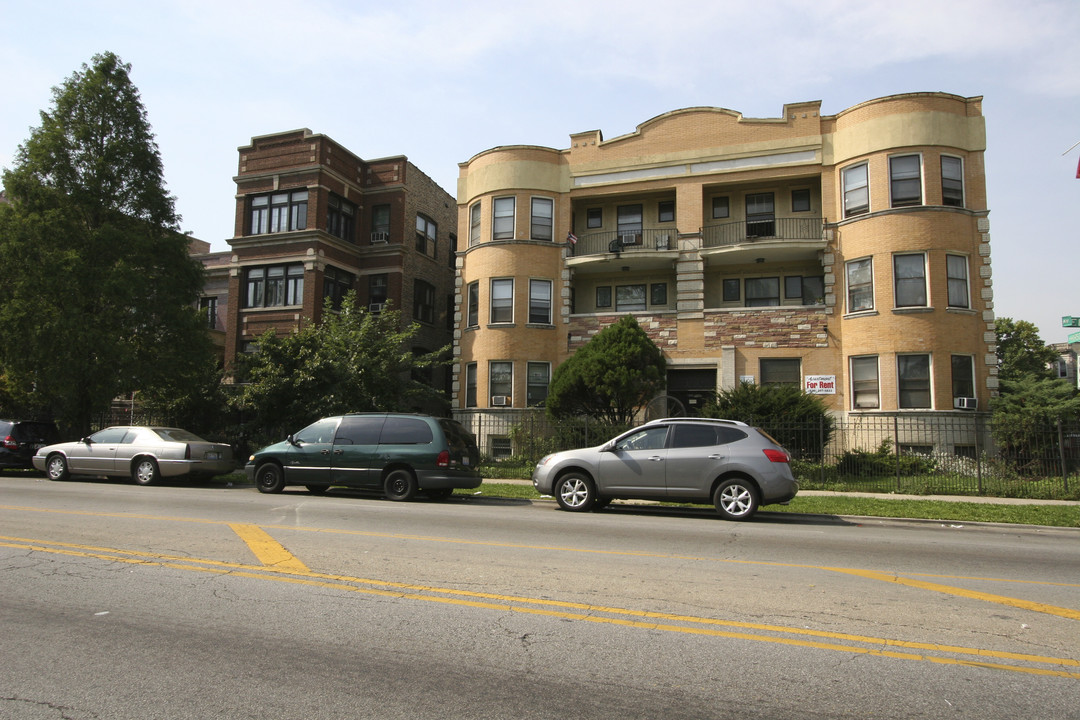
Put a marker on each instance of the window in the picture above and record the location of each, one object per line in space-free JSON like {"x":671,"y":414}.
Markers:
{"x":864,"y":383}
{"x":720,"y":207}
{"x":208,"y":307}
{"x":952,"y":181}
{"x":603,"y":296}
{"x":658,"y":294}
{"x":405,"y":431}
{"x":909,"y":274}
{"x":500,"y":380}
{"x":543,"y":210}
{"x":423,"y":301}
{"x":377,"y":291}
{"x":809,"y":290}
{"x":760,"y":217}
{"x":957,"y":270}
{"x":781,"y":371}
{"x":359,"y":431}
{"x":451,"y":251}
{"x":630,"y":297}
{"x":502,"y":301}
{"x":762,"y":292}
{"x":503,"y":226}
{"x":538,"y":379}
{"x":274,"y":286}
{"x":380,"y":223}
{"x":279,"y":212}
{"x":963,"y":376}
{"x":472,"y":307}
{"x":913,"y":380}
{"x":665,"y":211}
{"x":341,"y":218}
{"x":731,"y":290}
{"x":905,"y":180}
{"x":793,"y":287}
{"x":335,"y":284}
{"x":860,"y":285}
{"x":594,"y":218}
{"x":629,"y":224}
{"x":474,"y":224}
{"x":426,"y":233}
{"x":856,"y":191}
{"x":449,"y":312}
{"x":470,"y":385}
{"x":540,"y":302}
{"x":800,"y":200}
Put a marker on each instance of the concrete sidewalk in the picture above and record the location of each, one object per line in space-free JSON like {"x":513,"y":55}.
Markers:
{"x":887,"y":496}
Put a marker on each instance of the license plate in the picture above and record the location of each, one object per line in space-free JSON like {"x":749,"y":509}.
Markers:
{"x":213,"y":456}
{"x":465,"y":461}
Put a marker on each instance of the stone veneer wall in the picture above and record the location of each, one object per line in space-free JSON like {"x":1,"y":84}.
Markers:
{"x":662,"y":329}
{"x":767,"y":328}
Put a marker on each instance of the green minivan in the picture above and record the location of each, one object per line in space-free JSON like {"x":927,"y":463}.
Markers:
{"x":398,"y":454}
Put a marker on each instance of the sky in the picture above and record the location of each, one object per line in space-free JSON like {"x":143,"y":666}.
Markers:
{"x":442,"y":81}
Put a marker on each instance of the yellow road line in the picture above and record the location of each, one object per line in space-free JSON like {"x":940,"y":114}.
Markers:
{"x":267,"y":549}
{"x":569,"y":610}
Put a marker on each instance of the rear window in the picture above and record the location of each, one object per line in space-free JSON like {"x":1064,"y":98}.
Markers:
{"x":30,"y":431}
{"x":457,"y":437}
{"x":177,"y":435}
{"x":405,"y":431}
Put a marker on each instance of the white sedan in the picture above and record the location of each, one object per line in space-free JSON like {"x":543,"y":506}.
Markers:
{"x":145,"y":454}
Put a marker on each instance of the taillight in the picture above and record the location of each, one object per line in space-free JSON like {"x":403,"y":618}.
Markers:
{"x":10,"y":444}
{"x":443,"y":460}
{"x":776,"y":455}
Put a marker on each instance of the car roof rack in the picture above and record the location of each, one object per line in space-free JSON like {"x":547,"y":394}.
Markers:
{"x":717,"y":421}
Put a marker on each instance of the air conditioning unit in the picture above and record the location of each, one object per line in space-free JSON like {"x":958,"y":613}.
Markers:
{"x":663,"y":242}
{"x":630,"y":239}
{"x":499,"y":400}
{"x":376,"y":307}
{"x":964,"y":403}
{"x":380,"y":237}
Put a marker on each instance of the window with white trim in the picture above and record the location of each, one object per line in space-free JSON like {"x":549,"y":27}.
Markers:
{"x":952,"y":181}
{"x":501,"y":380}
{"x":474,"y":224}
{"x":279,"y":212}
{"x":762,"y":292}
{"x":538,"y":378}
{"x":503,"y":218}
{"x":860,"y":285}
{"x":865,"y":392}
{"x":274,"y":286}
{"x":540,"y":302}
{"x":502,"y":300}
{"x":543,"y":211}
{"x":470,"y":385}
{"x":905,"y":180}
{"x":472,"y":305}
{"x":957,"y":271}
{"x":909,"y":279}
{"x":913,"y":381}
{"x":856,"y":190}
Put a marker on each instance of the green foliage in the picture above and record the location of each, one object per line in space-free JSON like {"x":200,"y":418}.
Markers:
{"x":611,"y":378}
{"x":1020,"y":350}
{"x":883,"y":461}
{"x":799,"y":421}
{"x":97,"y":291}
{"x":351,"y":361}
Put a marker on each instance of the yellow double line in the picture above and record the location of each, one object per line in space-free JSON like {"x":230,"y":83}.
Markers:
{"x":280,"y":565}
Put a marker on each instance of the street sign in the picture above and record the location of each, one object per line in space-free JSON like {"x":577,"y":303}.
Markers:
{"x":1074,"y":338}
{"x":1070,"y":321}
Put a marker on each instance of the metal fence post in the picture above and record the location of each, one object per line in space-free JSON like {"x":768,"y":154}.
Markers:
{"x":1061,"y":455}
{"x":821,"y":444}
{"x":978,"y":457}
{"x":896,"y":448}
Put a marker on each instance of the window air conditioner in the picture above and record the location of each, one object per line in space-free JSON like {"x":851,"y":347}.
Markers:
{"x":499,"y":400}
{"x":380,"y":237}
{"x":630,"y":238}
{"x":376,"y":307}
{"x":966,"y":403}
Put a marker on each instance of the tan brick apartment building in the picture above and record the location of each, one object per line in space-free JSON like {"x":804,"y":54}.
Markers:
{"x":848,"y":254}
{"x":313,"y":221}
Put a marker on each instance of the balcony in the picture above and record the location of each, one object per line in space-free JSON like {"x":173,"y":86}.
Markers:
{"x":645,"y":249}
{"x":770,"y":238}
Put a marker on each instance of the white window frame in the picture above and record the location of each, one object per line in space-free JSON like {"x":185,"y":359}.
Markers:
{"x":529,"y":384}
{"x":856,"y":391}
{"x":547,"y":222}
{"x":954,"y":281}
{"x":897,"y":280}
{"x":500,"y":282}
{"x":963,"y":185}
{"x":503,"y":222}
{"x":848,"y":266}
{"x":491,"y":380}
{"x":893,"y":180}
{"x":846,"y":190}
{"x":930,"y":382}
{"x":474,"y":223}
{"x":470,"y":384}
{"x":539,"y":283}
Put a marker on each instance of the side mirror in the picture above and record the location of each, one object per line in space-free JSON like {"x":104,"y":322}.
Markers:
{"x":609,"y":446}
{"x":86,"y":441}
{"x":291,"y":440}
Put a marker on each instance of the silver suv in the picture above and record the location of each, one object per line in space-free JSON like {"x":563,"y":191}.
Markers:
{"x":728,"y":463}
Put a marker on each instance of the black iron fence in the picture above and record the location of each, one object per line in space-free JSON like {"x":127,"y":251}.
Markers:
{"x":732,"y":233}
{"x":635,"y":241}
{"x":925,"y":454}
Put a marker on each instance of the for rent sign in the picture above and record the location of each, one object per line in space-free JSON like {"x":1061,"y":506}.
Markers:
{"x":820,"y":384}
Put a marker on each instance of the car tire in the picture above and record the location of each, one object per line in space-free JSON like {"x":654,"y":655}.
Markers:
{"x":400,"y":485}
{"x":269,"y":478}
{"x":145,"y":471}
{"x":575,"y":492}
{"x":56,"y":467}
{"x":317,"y":489}
{"x":736,"y":499}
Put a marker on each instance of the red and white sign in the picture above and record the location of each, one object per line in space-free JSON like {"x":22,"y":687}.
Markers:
{"x":820,"y":384}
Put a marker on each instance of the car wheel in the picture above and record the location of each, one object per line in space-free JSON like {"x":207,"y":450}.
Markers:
{"x":56,"y":468}
{"x":145,"y":472}
{"x":269,"y":478}
{"x":317,"y":489}
{"x":575,"y":492}
{"x":736,"y":499}
{"x":400,"y":485}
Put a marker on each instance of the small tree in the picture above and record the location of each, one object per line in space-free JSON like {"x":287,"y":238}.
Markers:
{"x":799,"y":421}
{"x":1021,"y":351}
{"x":611,"y":378}
{"x":351,"y":361}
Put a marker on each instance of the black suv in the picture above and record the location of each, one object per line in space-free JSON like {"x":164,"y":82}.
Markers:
{"x":20,"y":439}
{"x":396,"y":453}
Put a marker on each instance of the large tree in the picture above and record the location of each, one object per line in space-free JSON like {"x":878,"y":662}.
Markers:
{"x":611,"y":378}
{"x":98,"y":289}
{"x":1020,"y":350}
{"x":351,"y":361}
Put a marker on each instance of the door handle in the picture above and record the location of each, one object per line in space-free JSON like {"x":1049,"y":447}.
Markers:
{"x":339,"y":452}
{"x":325,"y":452}
{"x":656,"y":458}
{"x":714,"y":456}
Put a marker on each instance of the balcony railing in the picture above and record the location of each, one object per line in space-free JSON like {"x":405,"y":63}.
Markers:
{"x":733,"y":233}
{"x":637,"y":241}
